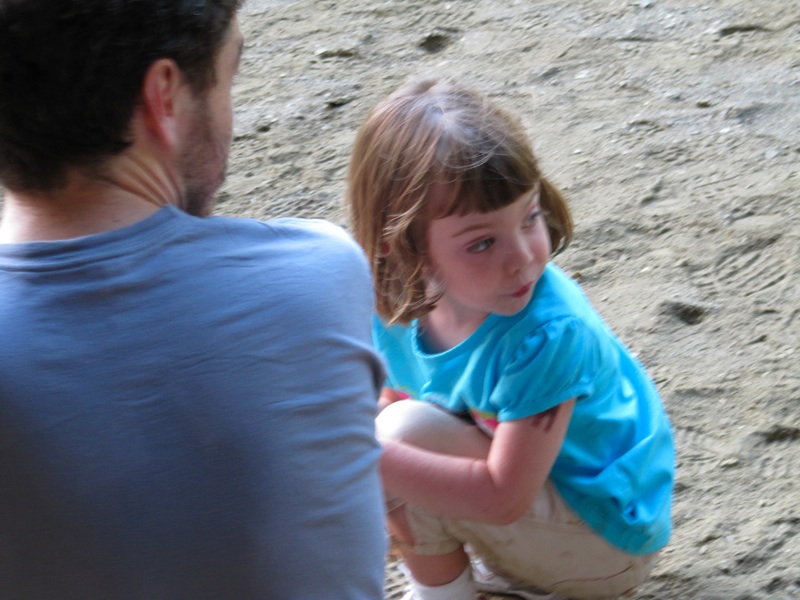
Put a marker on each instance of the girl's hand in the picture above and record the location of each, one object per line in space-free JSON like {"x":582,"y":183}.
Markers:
{"x":496,"y":489}
{"x":389,"y":396}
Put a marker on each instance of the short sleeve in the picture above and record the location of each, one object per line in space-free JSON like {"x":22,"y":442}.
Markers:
{"x":558,"y":361}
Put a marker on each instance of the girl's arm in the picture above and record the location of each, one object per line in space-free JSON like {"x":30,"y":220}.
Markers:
{"x":497,"y":489}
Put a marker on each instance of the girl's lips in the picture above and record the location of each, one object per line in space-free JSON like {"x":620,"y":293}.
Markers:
{"x":522,"y":291}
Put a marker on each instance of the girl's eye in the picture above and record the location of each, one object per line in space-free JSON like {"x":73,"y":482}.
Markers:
{"x":533,"y":216}
{"x":481,"y":246}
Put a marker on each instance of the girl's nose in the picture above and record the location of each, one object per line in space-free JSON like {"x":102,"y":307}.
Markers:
{"x":519,"y":256}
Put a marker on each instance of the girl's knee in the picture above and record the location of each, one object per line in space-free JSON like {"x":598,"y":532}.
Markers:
{"x":431,"y":428}
{"x":406,"y":421}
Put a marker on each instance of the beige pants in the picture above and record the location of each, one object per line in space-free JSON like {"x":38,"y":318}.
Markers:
{"x":549,"y":547}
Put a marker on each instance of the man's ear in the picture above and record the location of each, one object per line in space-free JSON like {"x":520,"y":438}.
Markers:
{"x":163,"y":94}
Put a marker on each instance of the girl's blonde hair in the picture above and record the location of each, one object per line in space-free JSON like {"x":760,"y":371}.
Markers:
{"x":434,"y":135}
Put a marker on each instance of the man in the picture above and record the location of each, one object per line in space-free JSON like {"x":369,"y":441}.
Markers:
{"x":186,"y":403}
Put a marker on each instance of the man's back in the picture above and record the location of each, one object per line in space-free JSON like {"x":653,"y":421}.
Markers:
{"x":186,"y":411}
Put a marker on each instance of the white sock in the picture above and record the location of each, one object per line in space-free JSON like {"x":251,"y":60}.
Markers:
{"x":461,"y":588}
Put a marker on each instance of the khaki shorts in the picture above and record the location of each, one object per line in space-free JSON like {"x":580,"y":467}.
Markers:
{"x":549,"y":547}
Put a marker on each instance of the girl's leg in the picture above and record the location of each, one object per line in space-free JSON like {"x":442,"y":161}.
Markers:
{"x":440,"y":559}
{"x":551,"y":548}
{"x":427,"y":569}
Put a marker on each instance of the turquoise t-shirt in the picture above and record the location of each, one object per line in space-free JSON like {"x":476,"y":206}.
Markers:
{"x":616,"y":466}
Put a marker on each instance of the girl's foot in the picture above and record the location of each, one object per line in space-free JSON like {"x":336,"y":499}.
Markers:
{"x":409,"y":595}
{"x":461,"y":588}
{"x":487,"y":580}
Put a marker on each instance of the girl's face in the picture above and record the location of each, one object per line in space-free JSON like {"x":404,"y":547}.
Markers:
{"x":487,"y":262}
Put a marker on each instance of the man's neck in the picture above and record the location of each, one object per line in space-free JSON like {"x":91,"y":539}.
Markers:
{"x":127,"y":194}
{"x":28,"y":218}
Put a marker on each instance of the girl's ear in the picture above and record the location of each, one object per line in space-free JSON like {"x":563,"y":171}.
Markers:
{"x":385,"y":249}
{"x":558,"y":215}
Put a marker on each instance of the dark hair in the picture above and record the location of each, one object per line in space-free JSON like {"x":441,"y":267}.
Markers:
{"x":428,"y":137}
{"x":71,"y":72}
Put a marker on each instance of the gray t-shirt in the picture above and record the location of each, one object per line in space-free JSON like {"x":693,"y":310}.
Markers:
{"x":186,"y":411}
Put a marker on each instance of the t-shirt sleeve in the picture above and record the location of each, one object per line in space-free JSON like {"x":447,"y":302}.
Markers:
{"x":556,"y":362}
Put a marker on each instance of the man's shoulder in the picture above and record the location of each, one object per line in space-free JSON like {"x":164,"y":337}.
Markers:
{"x":289,"y":231}
{"x":298,"y":253}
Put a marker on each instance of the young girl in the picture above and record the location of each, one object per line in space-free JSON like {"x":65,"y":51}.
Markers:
{"x":515,"y":424}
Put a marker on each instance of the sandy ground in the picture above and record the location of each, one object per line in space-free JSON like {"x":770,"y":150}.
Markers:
{"x":674,"y":129}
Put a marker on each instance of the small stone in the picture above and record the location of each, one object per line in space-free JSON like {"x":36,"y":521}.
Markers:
{"x":335,"y":53}
{"x":729,"y":463}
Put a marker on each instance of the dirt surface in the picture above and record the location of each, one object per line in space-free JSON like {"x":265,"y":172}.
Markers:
{"x":674,"y":129}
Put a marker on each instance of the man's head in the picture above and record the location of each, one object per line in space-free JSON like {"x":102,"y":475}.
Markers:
{"x":71,"y":76}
